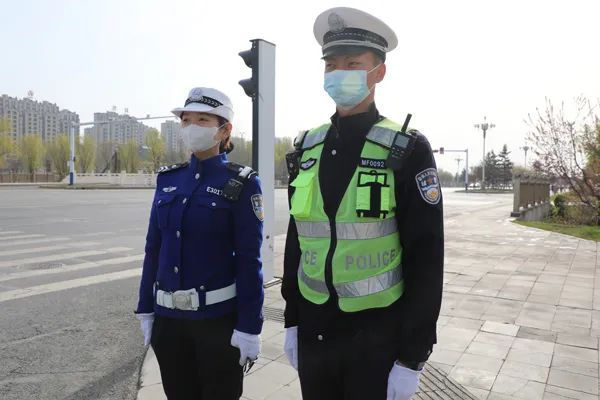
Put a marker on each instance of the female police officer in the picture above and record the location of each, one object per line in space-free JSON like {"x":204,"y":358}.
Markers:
{"x":201,"y":290}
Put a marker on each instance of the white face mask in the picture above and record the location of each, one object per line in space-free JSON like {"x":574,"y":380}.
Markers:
{"x":199,"y":138}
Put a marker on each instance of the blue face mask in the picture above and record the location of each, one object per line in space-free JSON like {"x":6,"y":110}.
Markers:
{"x":348,"y":88}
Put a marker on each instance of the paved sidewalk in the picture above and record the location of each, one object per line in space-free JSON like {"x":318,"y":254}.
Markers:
{"x":520,"y":317}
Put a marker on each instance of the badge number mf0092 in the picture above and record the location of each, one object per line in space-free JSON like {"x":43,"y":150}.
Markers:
{"x":429,"y":185}
{"x":257,"y":206}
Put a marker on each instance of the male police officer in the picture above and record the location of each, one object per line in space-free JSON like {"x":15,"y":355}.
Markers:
{"x":363,"y":264}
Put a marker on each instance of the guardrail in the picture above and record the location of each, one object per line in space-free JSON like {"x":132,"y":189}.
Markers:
{"x":122,"y":179}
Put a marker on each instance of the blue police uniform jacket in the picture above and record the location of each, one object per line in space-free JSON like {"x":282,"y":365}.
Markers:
{"x":198,"y":239}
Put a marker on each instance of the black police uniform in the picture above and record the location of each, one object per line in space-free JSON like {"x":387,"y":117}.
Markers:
{"x":349,"y":355}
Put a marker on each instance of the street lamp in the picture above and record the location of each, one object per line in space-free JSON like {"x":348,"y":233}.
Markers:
{"x":525,"y":149}
{"x":484,"y":127}
{"x":72,"y":138}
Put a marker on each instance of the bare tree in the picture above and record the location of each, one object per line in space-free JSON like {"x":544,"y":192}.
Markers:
{"x":58,"y":153}
{"x":566,"y":146}
{"x":129,"y":156}
{"x":31,"y":153}
{"x":6,"y":145}
{"x":156,"y":148}
{"x":104,"y":155}
{"x":86,"y":154}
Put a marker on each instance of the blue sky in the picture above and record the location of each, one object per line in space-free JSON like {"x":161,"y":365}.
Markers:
{"x":456,"y":60}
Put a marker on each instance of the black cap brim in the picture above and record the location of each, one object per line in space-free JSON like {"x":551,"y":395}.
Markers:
{"x":345,"y":50}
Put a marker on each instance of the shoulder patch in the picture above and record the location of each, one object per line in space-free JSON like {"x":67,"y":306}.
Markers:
{"x":257,"y":206}
{"x":428,"y":184}
{"x":308,"y":163}
{"x":168,"y":168}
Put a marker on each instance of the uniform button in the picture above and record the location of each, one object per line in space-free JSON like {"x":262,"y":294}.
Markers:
{"x":201,"y":287}
{"x":160,"y":201}
{"x":197,"y":176}
{"x":333,"y":152}
{"x":185,"y":200}
{"x":178,"y":234}
{"x":176,"y":270}
{"x":213,"y":204}
{"x":320,"y":338}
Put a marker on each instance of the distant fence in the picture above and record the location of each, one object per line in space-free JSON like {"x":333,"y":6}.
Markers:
{"x":20,"y":177}
{"x":531,"y":197}
{"x":122,"y":179}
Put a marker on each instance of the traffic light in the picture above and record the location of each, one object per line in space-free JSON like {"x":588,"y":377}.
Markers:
{"x":441,"y":150}
{"x":250,"y":58}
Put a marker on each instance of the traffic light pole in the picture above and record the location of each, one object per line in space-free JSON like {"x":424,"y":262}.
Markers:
{"x":72,"y":155}
{"x":466,"y":151}
{"x":261,"y":88}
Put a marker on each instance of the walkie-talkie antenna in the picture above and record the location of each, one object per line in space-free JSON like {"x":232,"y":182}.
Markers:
{"x":406,"y":121}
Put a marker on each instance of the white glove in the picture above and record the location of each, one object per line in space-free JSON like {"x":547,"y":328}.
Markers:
{"x":146,"y":322}
{"x":402,"y":383}
{"x":248,"y":344}
{"x":291,"y":346}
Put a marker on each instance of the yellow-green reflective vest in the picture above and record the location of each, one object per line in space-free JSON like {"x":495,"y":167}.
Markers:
{"x":366,"y":252}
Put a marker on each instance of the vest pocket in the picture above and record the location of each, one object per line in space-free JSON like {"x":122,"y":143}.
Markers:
{"x":372,"y":194}
{"x":303,"y":193}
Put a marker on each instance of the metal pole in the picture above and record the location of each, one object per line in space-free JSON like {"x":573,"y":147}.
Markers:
{"x":72,"y":155}
{"x":467,"y":170}
{"x":483,"y":163}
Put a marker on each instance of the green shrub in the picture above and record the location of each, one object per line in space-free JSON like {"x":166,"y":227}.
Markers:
{"x":560,"y":206}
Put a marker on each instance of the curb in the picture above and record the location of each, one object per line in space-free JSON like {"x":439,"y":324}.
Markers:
{"x":150,"y":383}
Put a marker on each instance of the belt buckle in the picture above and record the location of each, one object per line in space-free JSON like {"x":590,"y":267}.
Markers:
{"x":182,"y":300}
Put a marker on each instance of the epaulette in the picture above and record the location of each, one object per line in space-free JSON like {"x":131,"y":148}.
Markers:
{"x":174,"y":167}
{"x":240,"y":169}
{"x":299,"y":139}
{"x":234,"y":185}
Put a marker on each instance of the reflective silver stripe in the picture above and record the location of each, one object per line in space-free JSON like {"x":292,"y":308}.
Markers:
{"x":383,"y":136}
{"x":314,"y":284}
{"x":365,"y":230}
{"x":313,"y":229}
{"x":313,"y":139}
{"x":348,"y":230}
{"x":372,"y":285}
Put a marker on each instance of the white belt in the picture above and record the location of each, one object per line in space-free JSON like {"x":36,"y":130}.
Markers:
{"x":189,"y":300}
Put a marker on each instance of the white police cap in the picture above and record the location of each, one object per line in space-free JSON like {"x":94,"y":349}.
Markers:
{"x":341,"y":30}
{"x":207,"y":100}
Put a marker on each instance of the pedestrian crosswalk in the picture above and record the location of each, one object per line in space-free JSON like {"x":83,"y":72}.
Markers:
{"x":33,"y":264}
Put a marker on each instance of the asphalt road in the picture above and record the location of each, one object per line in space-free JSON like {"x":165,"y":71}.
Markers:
{"x":69,"y":275}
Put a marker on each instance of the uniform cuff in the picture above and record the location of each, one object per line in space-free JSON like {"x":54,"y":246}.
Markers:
{"x":414,"y":353}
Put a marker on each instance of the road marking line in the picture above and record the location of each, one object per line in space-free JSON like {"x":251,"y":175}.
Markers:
{"x":21,"y":237}
{"x":95,"y":234}
{"x":31,"y":250}
{"x":34,"y":241}
{"x":9,"y":232}
{"x":72,"y":268}
{"x":70,"y":284}
{"x":59,"y":257}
